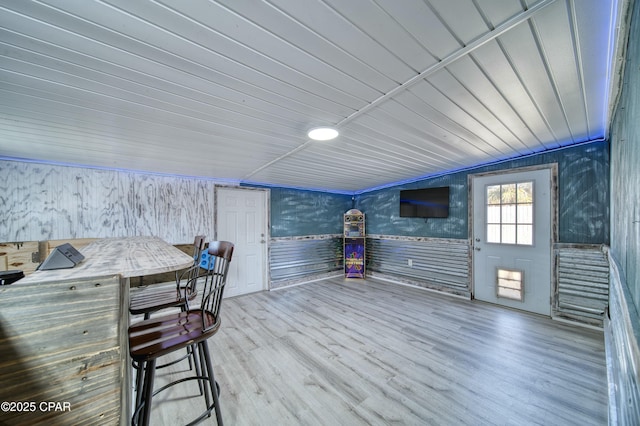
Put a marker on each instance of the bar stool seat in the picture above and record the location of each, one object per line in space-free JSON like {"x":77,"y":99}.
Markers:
{"x":157,"y":299}
{"x":152,"y":299}
{"x":155,"y":337}
{"x":166,"y":334}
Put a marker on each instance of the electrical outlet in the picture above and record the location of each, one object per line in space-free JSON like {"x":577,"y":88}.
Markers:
{"x":410,"y":263}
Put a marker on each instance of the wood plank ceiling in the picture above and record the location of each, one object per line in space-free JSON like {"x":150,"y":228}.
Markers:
{"x":227,"y":89}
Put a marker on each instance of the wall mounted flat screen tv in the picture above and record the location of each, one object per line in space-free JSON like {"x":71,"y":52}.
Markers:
{"x":425,"y":202}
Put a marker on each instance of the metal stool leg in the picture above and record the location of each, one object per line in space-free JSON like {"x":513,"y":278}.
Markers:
{"x":139,"y":366}
{"x":212,"y":381}
{"x":149,"y":373}
{"x":197,"y":364}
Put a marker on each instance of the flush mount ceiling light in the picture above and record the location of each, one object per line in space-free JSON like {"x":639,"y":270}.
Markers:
{"x":322,"y":133}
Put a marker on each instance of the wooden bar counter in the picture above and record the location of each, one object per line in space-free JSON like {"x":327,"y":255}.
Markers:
{"x":63,"y":335}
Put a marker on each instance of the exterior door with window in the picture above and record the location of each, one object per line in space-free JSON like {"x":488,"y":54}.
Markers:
{"x":512,"y":223}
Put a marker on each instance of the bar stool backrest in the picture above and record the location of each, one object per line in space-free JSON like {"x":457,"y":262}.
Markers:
{"x":220,"y":253}
{"x":198,"y":246}
{"x":193,"y":272}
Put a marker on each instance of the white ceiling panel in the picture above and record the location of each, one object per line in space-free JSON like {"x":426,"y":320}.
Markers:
{"x":419,"y":20}
{"x":228,"y":89}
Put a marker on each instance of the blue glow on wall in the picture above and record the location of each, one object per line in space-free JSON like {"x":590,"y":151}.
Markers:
{"x":583,"y":198}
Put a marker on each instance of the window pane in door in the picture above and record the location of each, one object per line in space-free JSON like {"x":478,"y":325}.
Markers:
{"x":493,"y":233}
{"x":508,"y":193}
{"x":509,"y":213}
{"x":493,"y":214}
{"x":508,"y":234}
{"x":525,"y":192}
{"x":525,"y":213}
{"x":509,"y":218}
{"x":493,"y":194}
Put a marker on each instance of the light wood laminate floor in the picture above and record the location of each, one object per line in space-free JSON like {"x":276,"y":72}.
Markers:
{"x":354,"y":352}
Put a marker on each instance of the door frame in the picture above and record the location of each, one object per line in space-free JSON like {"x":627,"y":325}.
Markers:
{"x":553,"y":169}
{"x":266,"y":273}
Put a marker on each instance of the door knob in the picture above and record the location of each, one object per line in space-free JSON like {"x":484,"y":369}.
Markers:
{"x":477,"y":248}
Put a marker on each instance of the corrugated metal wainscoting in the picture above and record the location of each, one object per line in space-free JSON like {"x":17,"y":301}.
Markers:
{"x":298,"y":259}
{"x":435,"y":263}
{"x":582,"y":273}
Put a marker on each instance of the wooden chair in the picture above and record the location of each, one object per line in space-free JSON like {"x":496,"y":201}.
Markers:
{"x":153,"y":338}
{"x":151,"y":300}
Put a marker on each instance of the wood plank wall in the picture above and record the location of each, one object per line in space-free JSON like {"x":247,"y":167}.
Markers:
{"x":61,"y":342}
{"x":48,"y":202}
{"x":622,"y":328}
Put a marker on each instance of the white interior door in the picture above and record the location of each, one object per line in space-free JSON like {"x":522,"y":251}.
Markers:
{"x":512,"y":223}
{"x":242,"y":219}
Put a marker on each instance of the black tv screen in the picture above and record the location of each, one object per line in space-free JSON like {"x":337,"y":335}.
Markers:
{"x":425,"y":202}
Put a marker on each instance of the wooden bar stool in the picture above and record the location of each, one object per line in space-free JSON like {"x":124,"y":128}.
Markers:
{"x":152,"y":338}
{"x":151,"y":300}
